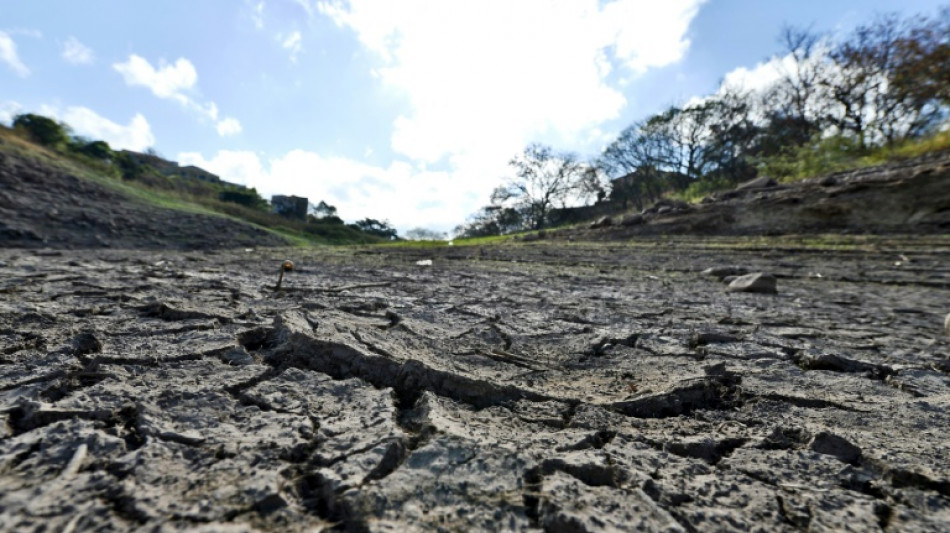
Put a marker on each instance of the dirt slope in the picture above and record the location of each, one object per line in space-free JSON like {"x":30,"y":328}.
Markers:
{"x":907,"y":197}
{"x":41,"y":206}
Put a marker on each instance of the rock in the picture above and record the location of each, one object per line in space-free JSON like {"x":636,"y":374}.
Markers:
{"x":757,"y":282}
{"x":86,"y":343}
{"x":631,"y":220}
{"x":237,"y":356}
{"x":711,"y":337}
{"x":762,"y":182}
{"x":725,"y":271}
{"x":831,"y":444}
{"x":602,"y":222}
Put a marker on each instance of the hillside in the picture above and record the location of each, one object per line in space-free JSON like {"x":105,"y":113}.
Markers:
{"x":51,"y":197}
{"x":904,"y":197}
{"x":45,"y":206}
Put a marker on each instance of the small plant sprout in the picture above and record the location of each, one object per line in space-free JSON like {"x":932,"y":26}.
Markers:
{"x":286,"y":266}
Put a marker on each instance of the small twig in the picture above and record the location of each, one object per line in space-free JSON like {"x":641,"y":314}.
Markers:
{"x":75,"y":463}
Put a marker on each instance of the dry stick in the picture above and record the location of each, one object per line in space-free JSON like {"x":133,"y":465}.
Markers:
{"x":72,"y":468}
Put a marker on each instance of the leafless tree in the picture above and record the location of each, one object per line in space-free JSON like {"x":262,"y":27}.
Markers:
{"x":543,"y":179}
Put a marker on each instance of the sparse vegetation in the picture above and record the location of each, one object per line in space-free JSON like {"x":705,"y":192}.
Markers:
{"x":41,"y":138}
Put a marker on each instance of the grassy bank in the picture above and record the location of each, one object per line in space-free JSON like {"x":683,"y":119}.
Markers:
{"x":181,"y":194}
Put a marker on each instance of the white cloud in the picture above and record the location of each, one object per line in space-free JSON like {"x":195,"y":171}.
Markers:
{"x":76,"y":53}
{"x":758,"y":78}
{"x":487,"y":77}
{"x":292,"y":43}
{"x":404,"y":195}
{"x":174,"y":82}
{"x":9,"y":110}
{"x":167,"y":81}
{"x":8,"y":55}
{"x":229,"y":126}
{"x":481,"y":80}
{"x":137,"y":135}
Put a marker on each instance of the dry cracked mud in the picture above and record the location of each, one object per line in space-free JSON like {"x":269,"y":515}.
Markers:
{"x":579,"y":387}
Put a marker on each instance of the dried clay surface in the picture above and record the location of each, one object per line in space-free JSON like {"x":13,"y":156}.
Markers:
{"x":583,"y":387}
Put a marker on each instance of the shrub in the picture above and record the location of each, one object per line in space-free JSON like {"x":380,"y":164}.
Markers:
{"x":42,"y":130}
{"x":246,"y":197}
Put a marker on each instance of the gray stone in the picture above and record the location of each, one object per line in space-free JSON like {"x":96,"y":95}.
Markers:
{"x":831,"y":444}
{"x":632,"y":220}
{"x":756,"y":282}
{"x":237,"y":356}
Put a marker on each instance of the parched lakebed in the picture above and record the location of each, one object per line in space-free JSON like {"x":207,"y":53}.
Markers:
{"x":529,"y":387}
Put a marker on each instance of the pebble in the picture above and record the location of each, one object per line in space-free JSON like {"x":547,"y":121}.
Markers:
{"x":755,"y":282}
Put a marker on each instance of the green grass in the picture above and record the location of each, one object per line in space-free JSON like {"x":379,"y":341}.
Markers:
{"x":414,"y":244}
{"x":823,"y":157}
{"x":838,"y":154}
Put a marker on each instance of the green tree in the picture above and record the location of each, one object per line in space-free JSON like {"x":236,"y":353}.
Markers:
{"x":424,"y":234}
{"x":376,"y":227}
{"x":322,"y":210}
{"x":95,"y":150}
{"x":42,"y":130}
{"x":246,"y":197}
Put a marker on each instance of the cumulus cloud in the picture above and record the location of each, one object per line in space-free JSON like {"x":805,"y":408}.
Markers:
{"x":166,"y":81}
{"x":228,"y":126}
{"x":8,"y":55}
{"x":487,"y":77}
{"x":293,"y":43}
{"x":481,"y":80}
{"x":399,"y":192}
{"x":76,"y":53}
{"x":137,"y":135}
{"x":176,"y":82}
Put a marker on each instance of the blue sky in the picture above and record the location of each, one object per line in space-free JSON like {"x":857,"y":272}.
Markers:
{"x":392,"y":109}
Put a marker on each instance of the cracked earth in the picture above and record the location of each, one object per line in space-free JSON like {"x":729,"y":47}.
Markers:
{"x":532,"y":387}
